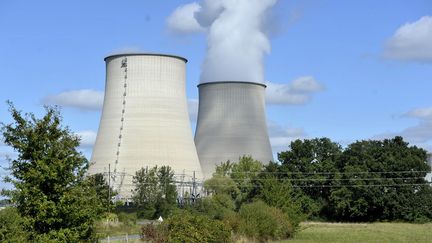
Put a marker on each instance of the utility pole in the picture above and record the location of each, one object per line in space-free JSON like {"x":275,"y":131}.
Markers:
{"x":109,"y":188}
{"x":193,"y":188}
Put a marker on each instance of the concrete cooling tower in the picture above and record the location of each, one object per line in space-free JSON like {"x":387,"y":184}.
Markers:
{"x":231,"y":123}
{"x":144,"y":119}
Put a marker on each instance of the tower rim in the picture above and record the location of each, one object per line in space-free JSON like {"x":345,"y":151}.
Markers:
{"x":234,"y":82}
{"x":145,"y":54}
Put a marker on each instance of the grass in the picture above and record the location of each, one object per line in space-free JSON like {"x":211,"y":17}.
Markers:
{"x":374,"y":232}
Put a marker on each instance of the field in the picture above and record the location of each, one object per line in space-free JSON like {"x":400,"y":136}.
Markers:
{"x":375,"y":232}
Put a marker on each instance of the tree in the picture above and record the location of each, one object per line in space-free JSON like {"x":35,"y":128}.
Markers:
{"x":380,"y":180}
{"x":12,"y":226}
{"x":236,"y":179}
{"x":311,"y":166}
{"x":369,"y":180}
{"x":51,"y":192}
{"x":103,"y":191}
{"x":155,"y":193}
{"x":279,"y":193}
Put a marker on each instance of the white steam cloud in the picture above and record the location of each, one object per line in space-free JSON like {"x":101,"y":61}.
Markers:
{"x":236,"y":38}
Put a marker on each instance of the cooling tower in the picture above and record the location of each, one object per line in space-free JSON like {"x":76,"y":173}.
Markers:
{"x":144,"y":119}
{"x":231,"y":123}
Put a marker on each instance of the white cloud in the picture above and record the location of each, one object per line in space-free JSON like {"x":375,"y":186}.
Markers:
{"x":193,"y":110}
{"x":183,"y":21}
{"x":411,"y":42}
{"x":88,"y":138}
{"x":420,"y":134}
{"x":84,"y":99}
{"x":297,"y":92}
{"x":421,"y":113}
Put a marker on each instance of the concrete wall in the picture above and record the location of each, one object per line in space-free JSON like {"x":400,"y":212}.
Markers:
{"x":231,"y":123}
{"x":144,"y":120}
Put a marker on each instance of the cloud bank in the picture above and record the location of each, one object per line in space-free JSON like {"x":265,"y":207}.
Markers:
{"x":411,"y":42}
{"x":297,"y":92}
{"x":84,"y":99}
{"x":281,"y":137}
{"x":420,"y":134}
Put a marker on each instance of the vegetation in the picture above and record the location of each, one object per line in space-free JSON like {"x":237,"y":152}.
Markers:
{"x":368,"y":181}
{"x":185,"y":226}
{"x":155,"y":193}
{"x":103,"y":191}
{"x":355,"y":232}
{"x":12,"y":226}
{"x":236,"y":205}
{"x":262,"y":222}
{"x":52,"y":196}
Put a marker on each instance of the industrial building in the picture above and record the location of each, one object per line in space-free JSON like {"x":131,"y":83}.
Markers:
{"x":144,"y":119}
{"x":231,"y":123}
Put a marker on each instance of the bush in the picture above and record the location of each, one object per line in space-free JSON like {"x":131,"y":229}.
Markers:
{"x":184,"y":226}
{"x":217,"y":206}
{"x":12,"y":226}
{"x":262,"y":222}
{"x":153,"y":233}
{"x":127,"y":218}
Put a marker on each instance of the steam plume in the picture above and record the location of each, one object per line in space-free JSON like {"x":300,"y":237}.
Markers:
{"x":236,"y":39}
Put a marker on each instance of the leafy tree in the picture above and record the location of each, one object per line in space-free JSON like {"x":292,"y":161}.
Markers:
{"x":220,"y":184}
{"x":51,"y":192}
{"x":236,"y":179}
{"x":12,"y":226}
{"x":369,"y":180}
{"x":155,"y":193}
{"x":103,"y":191}
{"x":279,"y":193}
{"x":380,"y":180}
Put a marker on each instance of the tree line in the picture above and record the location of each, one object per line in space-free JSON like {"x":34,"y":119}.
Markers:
{"x":55,"y":201}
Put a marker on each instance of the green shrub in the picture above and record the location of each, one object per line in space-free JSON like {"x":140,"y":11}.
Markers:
{"x":217,"y":206}
{"x":262,"y":222}
{"x":12,"y":226}
{"x":184,"y":226}
{"x":153,"y":233}
{"x":127,"y":218}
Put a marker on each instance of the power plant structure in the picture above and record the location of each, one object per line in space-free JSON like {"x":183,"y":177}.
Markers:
{"x":144,"y":119}
{"x":231,"y":123}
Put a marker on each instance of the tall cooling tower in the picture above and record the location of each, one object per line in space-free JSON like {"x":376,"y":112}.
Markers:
{"x":144,"y":120}
{"x":231,"y":123}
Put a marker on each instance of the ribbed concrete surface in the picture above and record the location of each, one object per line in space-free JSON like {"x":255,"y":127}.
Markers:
{"x":144,"y":120}
{"x":231,"y":123}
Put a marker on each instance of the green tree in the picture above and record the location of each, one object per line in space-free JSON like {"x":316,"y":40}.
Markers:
{"x":311,"y":166}
{"x":236,"y":179}
{"x":12,"y":226}
{"x":51,"y":192}
{"x":279,"y":193}
{"x":155,"y":193}
{"x":381,"y":180}
{"x":103,"y":191}
{"x":369,"y":180}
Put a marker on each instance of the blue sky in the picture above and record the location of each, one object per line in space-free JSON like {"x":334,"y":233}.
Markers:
{"x":364,"y":67}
